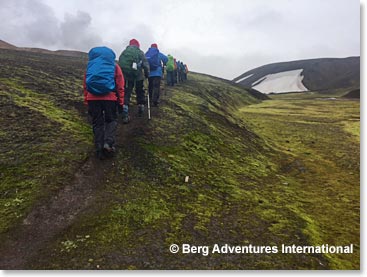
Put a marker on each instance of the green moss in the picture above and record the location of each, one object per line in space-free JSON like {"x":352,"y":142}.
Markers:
{"x":324,"y":173}
{"x":39,"y":154}
{"x":23,"y":97}
{"x":255,"y":175}
{"x":230,"y":192}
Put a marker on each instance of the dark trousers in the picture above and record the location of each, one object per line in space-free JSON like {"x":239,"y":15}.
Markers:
{"x":139,"y":89}
{"x":154,"y":88}
{"x":175,"y":76}
{"x":170,"y":78}
{"x":104,"y":120}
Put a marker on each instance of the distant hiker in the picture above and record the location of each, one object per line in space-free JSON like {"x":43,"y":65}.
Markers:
{"x":103,"y":93}
{"x":179,"y":72}
{"x":170,"y":68}
{"x":133,"y":62}
{"x":183,"y":71}
{"x":186,"y":71}
{"x":156,"y":62}
{"x":175,"y":71}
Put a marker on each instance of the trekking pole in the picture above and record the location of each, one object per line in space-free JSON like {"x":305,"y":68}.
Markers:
{"x":148,"y":106}
{"x":148,"y":103}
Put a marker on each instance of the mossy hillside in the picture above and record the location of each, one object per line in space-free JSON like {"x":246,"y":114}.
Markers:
{"x":234,"y":194}
{"x":322,"y":137}
{"x":44,"y":137}
{"x":334,"y":93}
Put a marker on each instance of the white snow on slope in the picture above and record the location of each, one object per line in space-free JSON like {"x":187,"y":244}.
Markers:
{"x":244,"y":78}
{"x":287,"y":81}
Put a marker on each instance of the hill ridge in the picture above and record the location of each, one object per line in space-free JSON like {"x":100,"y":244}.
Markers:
{"x":322,"y":74}
{"x":70,"y":53}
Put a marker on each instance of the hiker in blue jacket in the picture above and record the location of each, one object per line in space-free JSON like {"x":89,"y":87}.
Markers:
{"x":156,"y":62}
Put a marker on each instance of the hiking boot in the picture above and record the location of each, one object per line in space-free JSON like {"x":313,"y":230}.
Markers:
{"x":125,"y":119}
{"x":108,"y":151}
{"x":140,"y":110}
{"x":125,"y":114}
{"x":100,"y":155}
{"x":108,"y":148}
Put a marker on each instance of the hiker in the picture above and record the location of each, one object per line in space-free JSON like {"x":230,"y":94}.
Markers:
{"x":179,"y":79}
{"x":103,"y":94}
{"x":170,"y":67}
{"x":183,"y":71}
{"x":133,"y":62}
{"x":175,"y":71}
{"x":156,"y":62}
{"x":186,"y":71}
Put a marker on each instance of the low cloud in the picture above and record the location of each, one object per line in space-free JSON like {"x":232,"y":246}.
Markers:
{"x":76,"y":32}
{"x":33,"y":23}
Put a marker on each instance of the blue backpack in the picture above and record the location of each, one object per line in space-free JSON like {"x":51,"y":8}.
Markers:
{"x":100,"y":76}
{"x":153,"y":58}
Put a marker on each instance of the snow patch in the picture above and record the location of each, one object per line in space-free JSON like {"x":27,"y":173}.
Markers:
{"x":287,"y":81}
{"x":244,"y":78}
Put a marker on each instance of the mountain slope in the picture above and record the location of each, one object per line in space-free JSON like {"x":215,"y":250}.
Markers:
{"x":318,"y":74}
{"x":5,"y":45}
{"x":252,"y":177}
{"x":70,"y":53}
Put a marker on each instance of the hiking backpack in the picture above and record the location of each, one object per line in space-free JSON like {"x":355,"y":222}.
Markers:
{"x":100,"y":76}
{"x":130,"y":61}
{"x":153,"y":58}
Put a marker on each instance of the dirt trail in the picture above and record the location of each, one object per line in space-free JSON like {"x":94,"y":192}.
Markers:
{"x":48,"y":219}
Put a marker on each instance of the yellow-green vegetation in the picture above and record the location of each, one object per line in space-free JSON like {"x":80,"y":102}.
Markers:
{"x":43,"y":135}
{"x":282,"y":171}
{"x":321,"y":139}
{"x":258,"y":174}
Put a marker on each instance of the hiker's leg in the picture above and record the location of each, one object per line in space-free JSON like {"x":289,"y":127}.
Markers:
{"x":175,"y":76}
{"x":110,"y":122}
{"x":128,"y":90}
{"x":170,"y":78}
{"x":156,"y":89}
{"x":150,"y":87}
{"x":96,"y":112}
{"x":129,"y":85}
{"x":140,"y":95}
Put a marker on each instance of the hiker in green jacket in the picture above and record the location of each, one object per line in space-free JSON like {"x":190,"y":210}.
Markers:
{"x":135,"y":67}
{"x":170,"y":67}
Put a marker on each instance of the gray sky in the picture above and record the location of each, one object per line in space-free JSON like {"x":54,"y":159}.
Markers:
{"x":224,"y":38}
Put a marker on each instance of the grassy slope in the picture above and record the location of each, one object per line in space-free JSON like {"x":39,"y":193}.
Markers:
{"x":244,"y":186}
{"x":322,"y":136}
{"x":243,"y":189}
{"x":38,"y":132}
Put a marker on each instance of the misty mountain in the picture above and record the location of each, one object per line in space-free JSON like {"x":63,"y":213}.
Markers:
{"x":321,"y":75}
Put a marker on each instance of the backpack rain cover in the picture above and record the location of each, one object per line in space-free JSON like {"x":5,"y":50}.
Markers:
{"x":100,"y":76}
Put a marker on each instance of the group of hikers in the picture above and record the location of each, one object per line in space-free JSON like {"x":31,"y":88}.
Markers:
{"x":108,"y":87}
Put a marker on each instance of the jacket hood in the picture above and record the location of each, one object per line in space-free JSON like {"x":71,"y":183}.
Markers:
{"x":134,"y":42}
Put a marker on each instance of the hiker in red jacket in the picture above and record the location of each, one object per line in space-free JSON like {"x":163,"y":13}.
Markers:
{"x":104,"y":95}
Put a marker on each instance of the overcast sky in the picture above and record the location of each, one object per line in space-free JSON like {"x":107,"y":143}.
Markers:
{"x":224,"y":38}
